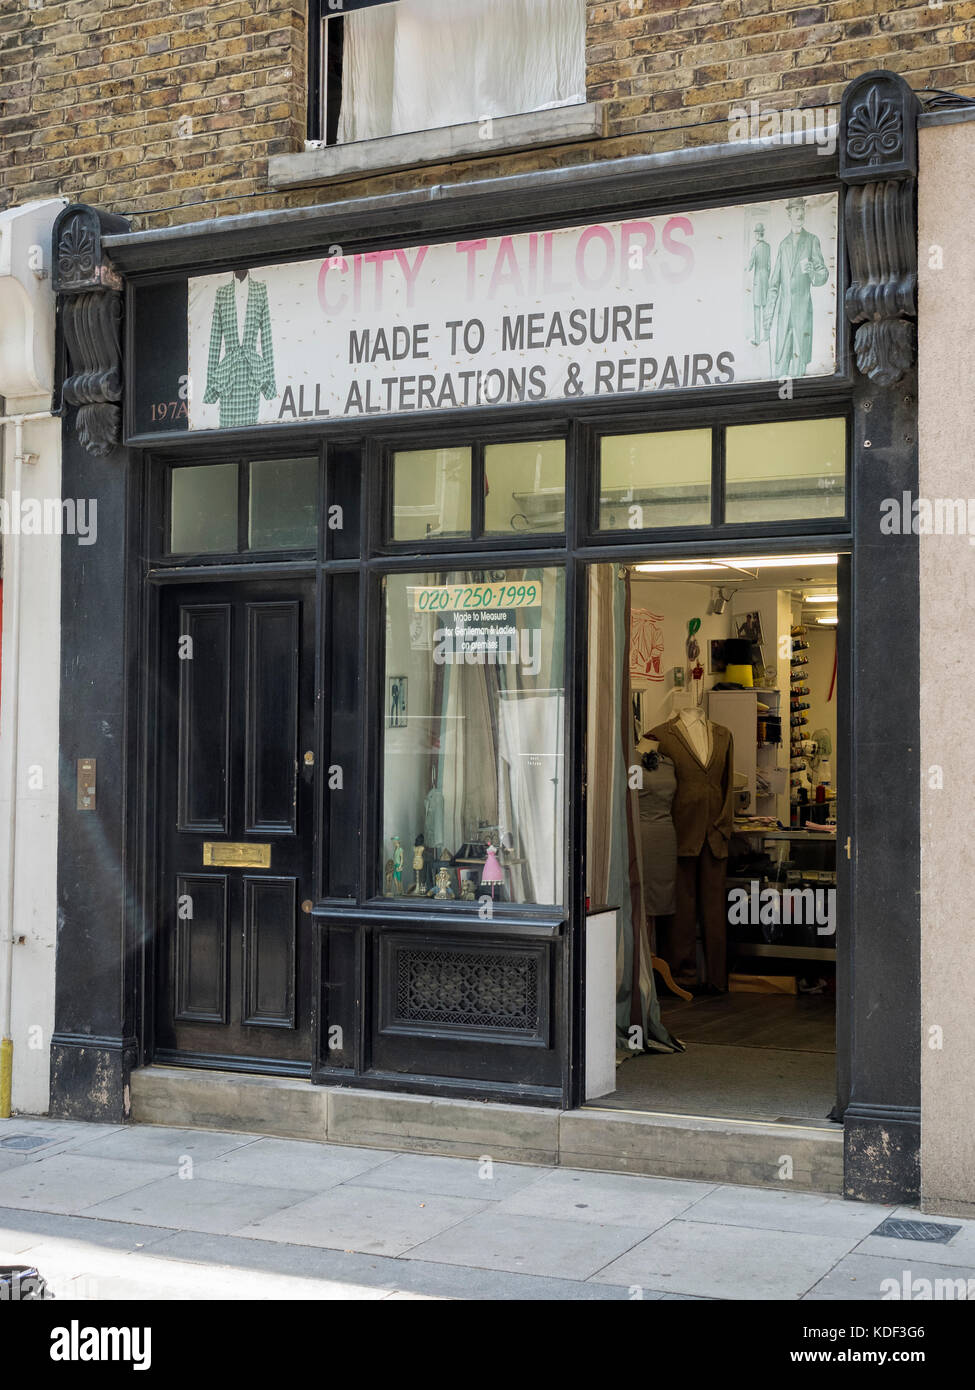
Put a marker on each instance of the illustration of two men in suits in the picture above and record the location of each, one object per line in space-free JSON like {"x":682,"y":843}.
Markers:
{"x":788,"y":306}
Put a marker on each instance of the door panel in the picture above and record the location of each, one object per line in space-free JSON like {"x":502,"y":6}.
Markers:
{"x":233,"y":949}
{"x":204,"y":717}
{"x":270,"y":907}
{"x":271,"y":765}
{"x":200,"y":948}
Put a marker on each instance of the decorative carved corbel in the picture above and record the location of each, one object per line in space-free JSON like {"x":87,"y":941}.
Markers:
{"x":90,"y":309}
{"x":878,"y":163}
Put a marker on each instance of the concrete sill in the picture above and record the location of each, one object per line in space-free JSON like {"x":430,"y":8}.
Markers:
{"x":318,"y":164}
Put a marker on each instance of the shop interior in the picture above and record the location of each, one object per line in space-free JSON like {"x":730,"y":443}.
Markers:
{"x":715,"y":839}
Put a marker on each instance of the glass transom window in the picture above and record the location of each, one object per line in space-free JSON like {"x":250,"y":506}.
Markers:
{"x":784,"y":471}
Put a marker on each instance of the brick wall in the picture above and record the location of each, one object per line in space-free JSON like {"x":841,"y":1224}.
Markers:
{"x":167,"y":110}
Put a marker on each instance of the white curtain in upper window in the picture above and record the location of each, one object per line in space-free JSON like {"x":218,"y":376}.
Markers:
{"x":418,"y":64}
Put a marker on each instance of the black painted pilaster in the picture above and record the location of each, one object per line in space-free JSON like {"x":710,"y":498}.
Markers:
{"x":93,"y":1048}
{"x":878,"y":163}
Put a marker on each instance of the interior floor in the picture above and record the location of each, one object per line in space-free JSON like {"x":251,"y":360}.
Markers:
{"x":749,"y":1056}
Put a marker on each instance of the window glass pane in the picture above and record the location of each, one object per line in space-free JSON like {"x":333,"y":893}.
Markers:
{"x":524,"y":487}
{"x":474,"y":710}
{"x":791,"y":469}
{"x":203,"y":509}
{"x":431,"y":493}
{"x":283,"y":504}
{"x":420,"y":64}
{"x":666,"y":476}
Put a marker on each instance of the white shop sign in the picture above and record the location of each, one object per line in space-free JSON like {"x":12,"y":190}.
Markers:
{"x":690,"y":299}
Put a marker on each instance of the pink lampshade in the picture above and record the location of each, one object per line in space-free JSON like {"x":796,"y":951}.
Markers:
{"x":492,"y":872}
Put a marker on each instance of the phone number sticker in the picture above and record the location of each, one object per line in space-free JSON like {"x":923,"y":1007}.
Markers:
{"x":473,"y":598}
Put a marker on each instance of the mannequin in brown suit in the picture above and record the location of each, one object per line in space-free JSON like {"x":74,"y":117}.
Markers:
{"x":703,"y":812}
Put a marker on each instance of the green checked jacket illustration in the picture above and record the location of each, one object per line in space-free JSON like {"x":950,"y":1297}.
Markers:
{"x":242,"y":375}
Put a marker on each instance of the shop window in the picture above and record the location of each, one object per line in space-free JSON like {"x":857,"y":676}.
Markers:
{"x":653,"y":480}
{"x":203,"y":509}
{"x":408,"y":65}
{"x":431,"y":494}
{"x":789,"y":470}
{"x":473,"y":713}
{"x":524,"y":487}
{"x":283,"y":512}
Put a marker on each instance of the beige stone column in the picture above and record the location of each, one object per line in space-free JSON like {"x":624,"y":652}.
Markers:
{"x":946,"y":361}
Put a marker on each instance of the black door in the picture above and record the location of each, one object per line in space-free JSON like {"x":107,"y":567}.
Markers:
{"x":236,"y":769}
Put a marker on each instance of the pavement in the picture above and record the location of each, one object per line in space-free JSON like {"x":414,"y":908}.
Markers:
{"x":146,"y":1212}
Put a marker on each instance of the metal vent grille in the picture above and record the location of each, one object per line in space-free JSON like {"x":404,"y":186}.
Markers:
{"x":916,"y":1230}
{"x":467,"y":989}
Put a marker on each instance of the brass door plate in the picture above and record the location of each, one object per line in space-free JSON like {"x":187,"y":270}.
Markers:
{"x":85,"y":788}
{"x":236,"y":856}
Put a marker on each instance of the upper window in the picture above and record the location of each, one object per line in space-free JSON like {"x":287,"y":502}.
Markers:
{"x":520,"y":487}
{"x":781,"y":471}
{"x":228,"y":508}
{"x":406,"y":65}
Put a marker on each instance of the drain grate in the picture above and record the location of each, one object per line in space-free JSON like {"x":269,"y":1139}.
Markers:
{"x":916,"y":1230}
{"x":24,"y":1142}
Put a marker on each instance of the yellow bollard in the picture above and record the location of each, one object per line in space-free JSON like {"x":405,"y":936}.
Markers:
{"x":6,"y":1075}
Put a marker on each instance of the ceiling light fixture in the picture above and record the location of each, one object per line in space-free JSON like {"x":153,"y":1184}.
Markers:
{"x":756,"y":562}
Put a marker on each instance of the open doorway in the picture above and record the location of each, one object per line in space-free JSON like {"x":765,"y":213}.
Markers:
{"x":713,"y":685}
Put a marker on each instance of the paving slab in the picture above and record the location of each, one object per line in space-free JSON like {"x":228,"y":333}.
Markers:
{"x":453,"y":1177}
{"x":727,"y":1262}
{"x":292,"y":1163}
{"x":24,"y":1230}
{"x":530,"y":1245}
{"x":380,"y":1271}
{"x":613,"y":1199}
{"x":70,"y":1183}
{"x":164,"y":1145}
{"x":195,"y":1204}
{"x":366,"y":1219}
{"x":811,"y":1213}
{"x":880,"y":1280}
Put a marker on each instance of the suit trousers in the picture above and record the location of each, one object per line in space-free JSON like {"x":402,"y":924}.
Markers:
{"x":701,"y":895}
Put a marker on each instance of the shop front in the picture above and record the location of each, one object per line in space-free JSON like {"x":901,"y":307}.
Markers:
{"x":397,"y":496}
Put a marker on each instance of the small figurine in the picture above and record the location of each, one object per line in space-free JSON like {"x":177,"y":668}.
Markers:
{"x":443,"y":885}
{"x":492,"y":873}
{"x":398,"y":858}
{"x":419,"y":862}
{"x":389,"y":878}
{"x":467,"y":890}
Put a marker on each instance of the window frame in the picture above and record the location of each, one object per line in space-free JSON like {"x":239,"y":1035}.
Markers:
{"x":160,"y":546}
{"x":326,"y":38}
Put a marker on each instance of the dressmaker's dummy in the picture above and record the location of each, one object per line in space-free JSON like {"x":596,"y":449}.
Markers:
{"x":703,"y":813}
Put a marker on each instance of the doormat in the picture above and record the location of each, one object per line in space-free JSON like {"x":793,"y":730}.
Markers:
{"x":916,"y":1230}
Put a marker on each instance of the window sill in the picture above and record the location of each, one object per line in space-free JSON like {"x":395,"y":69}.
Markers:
{"x":561,"y":125}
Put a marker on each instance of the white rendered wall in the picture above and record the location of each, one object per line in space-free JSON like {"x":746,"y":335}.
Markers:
{"x":35,"y":877}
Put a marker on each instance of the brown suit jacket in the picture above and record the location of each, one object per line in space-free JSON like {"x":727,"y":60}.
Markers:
{"x":704,"y":805}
